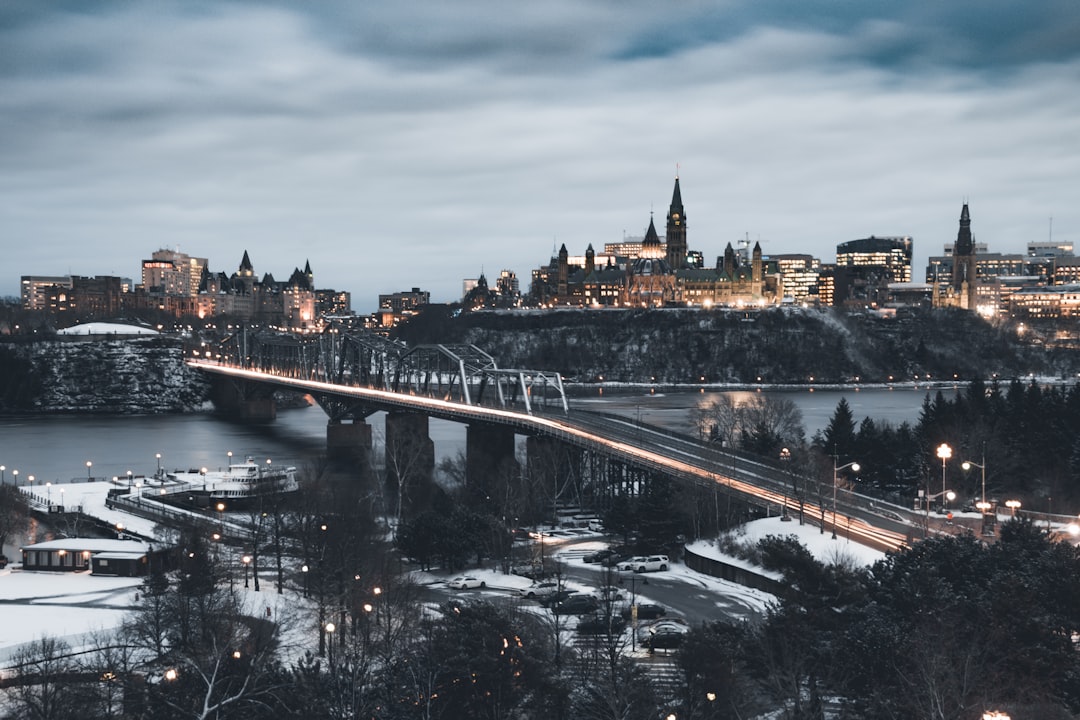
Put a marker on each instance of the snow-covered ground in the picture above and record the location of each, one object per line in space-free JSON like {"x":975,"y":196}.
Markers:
{"x":75,"y":606}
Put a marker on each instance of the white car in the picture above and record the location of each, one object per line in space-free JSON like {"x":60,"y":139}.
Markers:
{"x":465,"y":582}
{"x":539,"y":590}
{"x":645,"y":563}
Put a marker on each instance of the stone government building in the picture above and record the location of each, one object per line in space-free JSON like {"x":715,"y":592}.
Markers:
{"x":651,"y":273}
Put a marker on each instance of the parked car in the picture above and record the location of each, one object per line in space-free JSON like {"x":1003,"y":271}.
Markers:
{"x":599,"y":555}
{"x":645,"y":611}
{"x":538,"y":590}
{"x":613,"y":560}
{"x":645,"y":563}
{"x":600,"y":624}
{"x":578,"y":604}
{"x":465,"y":582}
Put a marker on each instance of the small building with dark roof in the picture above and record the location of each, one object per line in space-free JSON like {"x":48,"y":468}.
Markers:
{"x":127,"y":558}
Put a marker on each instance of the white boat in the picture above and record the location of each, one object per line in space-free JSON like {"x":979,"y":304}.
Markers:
{"x":240,"y":481}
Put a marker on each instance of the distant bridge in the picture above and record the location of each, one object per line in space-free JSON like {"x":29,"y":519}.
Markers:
{"x":352,"y":376}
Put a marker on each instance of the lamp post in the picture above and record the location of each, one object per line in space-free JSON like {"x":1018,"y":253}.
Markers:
{"x":228,"y":464}
{"x":1013,"y":505}
{"x":15,"y":477}
{"x":2,"y":469}
{"x":158,"y":456}
{"x":330,"y":628}
{"x":785,"y":460}
{"x":984,"y":507}
{"x":129,"y":481}
{"x":944,"y":452}
{"x":48,"y":493}
{"x":88,"y":466}
{"x":247,"y":561}
{"x":836,"y":481}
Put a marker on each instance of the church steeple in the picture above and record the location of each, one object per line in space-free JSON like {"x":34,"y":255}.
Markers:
{"x":964,"y":266}
{"x":676,"y":230}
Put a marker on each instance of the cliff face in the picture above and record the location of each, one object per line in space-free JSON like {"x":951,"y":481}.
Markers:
{"x":779,"y":345}
{"x":92,"y":375}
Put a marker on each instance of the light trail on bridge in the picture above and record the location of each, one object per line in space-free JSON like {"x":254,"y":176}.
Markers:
{"x":670,"y":460}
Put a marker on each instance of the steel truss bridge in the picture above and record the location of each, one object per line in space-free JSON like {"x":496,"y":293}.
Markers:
{"x":359,"y":374}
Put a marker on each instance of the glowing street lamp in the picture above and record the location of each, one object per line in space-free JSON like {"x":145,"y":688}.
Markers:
{"x":1013,"y":505}
{"x":944,"y":452}
{"x":835,"y":481}
{"x":158,"y":456}
{"x":785,"y":460}
{"x":88,"y":466}
{"x":2,"y":469}
{"x":247,"y":561}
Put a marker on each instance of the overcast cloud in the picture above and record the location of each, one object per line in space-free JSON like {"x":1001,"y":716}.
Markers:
{"x":417,"y":143}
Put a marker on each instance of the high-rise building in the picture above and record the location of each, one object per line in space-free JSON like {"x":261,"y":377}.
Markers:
{"x":865,"y":267}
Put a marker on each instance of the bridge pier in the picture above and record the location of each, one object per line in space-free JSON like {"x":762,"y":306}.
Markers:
{"x":348,"y":439}
{"x":489,"y":455}
{"x":247,"y":401}
{"x":410,"y":458}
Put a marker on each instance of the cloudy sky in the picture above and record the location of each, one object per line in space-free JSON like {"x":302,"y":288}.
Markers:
{"x":418,"y":143}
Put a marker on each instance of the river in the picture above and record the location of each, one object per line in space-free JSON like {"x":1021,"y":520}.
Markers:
{"x":57,"y":448}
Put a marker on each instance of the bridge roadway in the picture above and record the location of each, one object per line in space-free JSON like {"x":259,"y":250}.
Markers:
{"x":868,"y":520}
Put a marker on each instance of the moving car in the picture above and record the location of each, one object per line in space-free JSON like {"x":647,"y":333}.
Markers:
{"x":646,"y":611}
{"x":465,"y":582}
{"x":645,"y":563}
{"x":600,"y":624}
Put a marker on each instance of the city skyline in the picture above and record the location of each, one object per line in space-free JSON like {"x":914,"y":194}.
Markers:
{"x":420,"y":144}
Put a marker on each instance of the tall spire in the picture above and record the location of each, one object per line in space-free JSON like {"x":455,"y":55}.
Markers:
{"x":676,"y":230}
{"x":965,"y":243}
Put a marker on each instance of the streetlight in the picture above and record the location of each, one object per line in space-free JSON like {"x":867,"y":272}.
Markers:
{"x":1013,"y":505}
{"x":129,"y":481}
{"x":944,"y":452}
{"x":330,"y":628}
{"x":835,"y":481}
{"x":158,"y":456}
{"x":984,"y":507}
{"x":2,"y":469}
{"x":48,"y":493}
{"x":247,"y":561}
{"x":15,"y":477}
{"x":785,"y":460}
{"x":229,"y":455}
{"x":88,"y":466}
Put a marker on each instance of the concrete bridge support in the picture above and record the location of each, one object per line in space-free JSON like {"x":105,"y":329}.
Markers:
{"x":410,"y":459}
{"x":249,"y":402}
{"x":349,"y":439}
{"x":489,"y":458}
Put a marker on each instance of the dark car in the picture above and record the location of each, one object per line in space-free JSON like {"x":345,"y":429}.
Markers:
{"x":599,"y":555}
{"x":600,"y":624}
{"x":665,"y":640}
{"x":556,"y":597}
{"x":576,"y":605}
{"x":613,"y":559}
{"x":646,"y":611}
